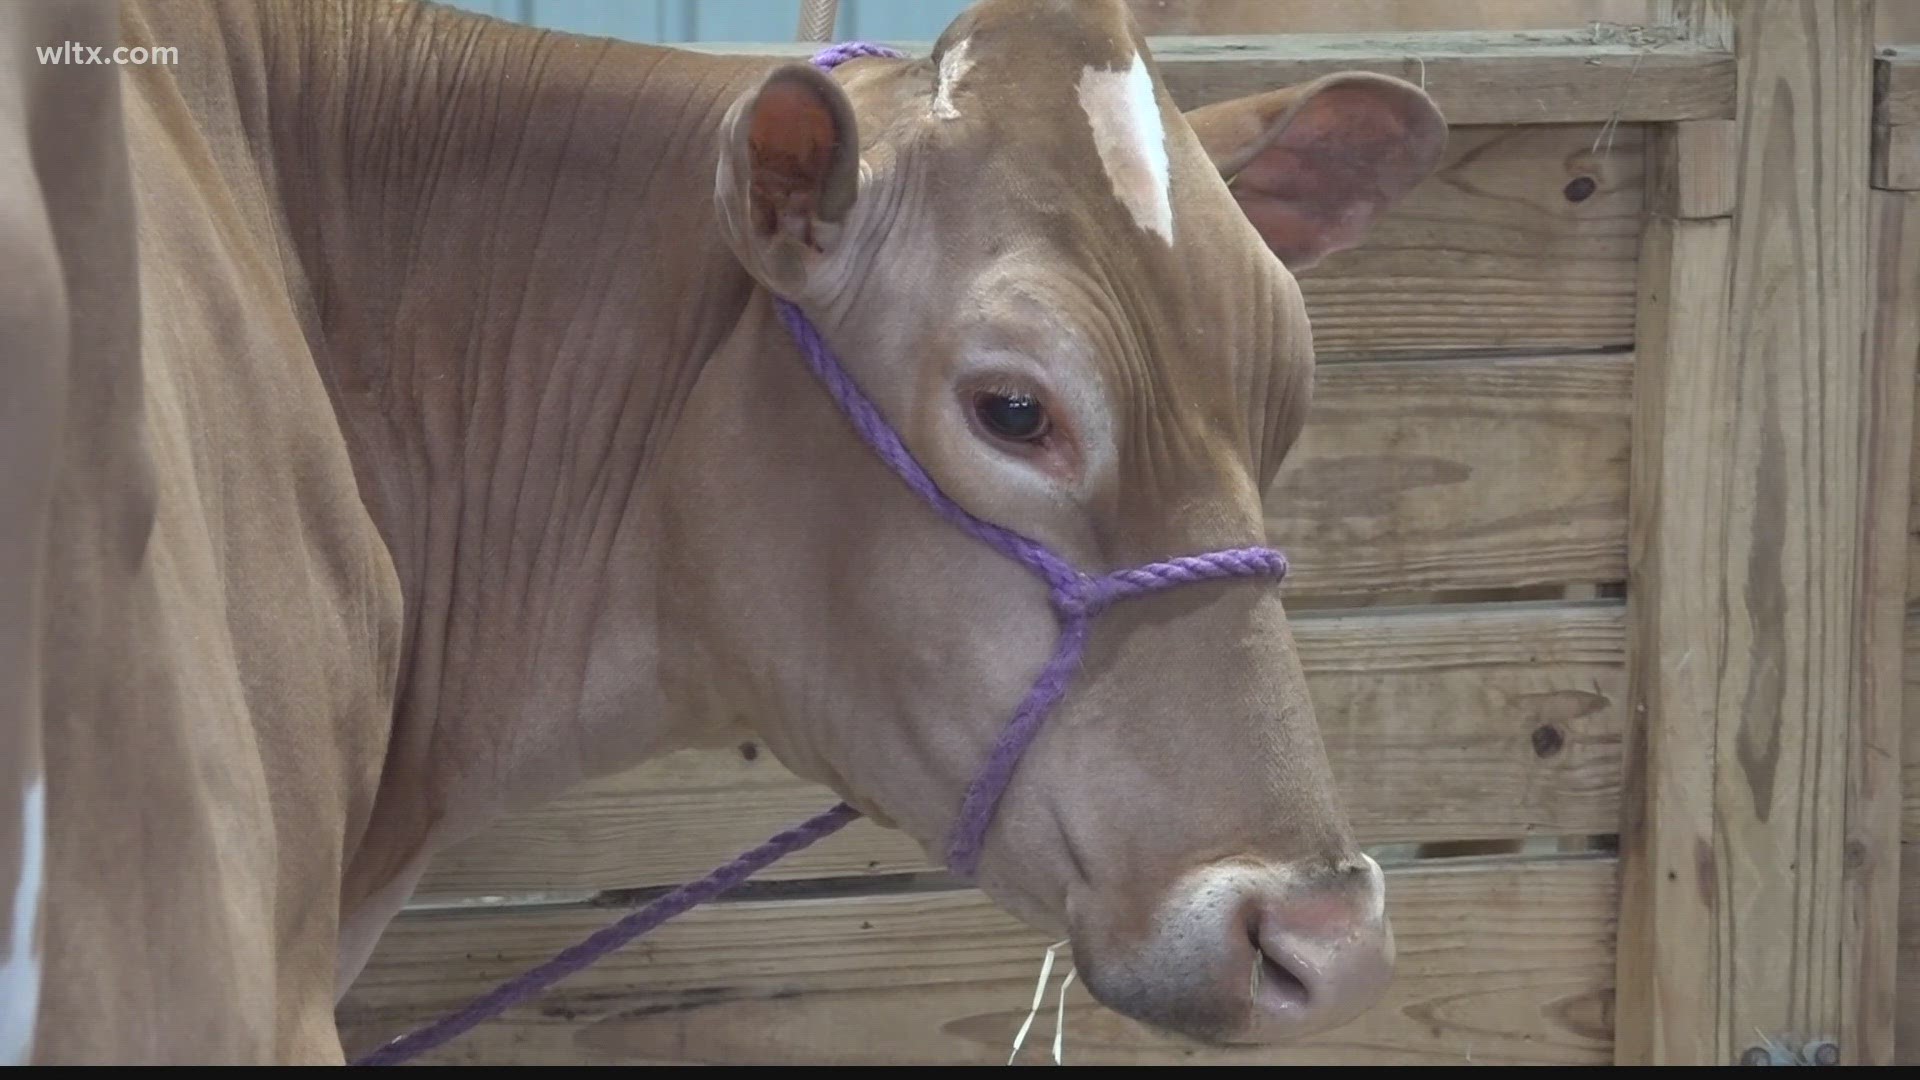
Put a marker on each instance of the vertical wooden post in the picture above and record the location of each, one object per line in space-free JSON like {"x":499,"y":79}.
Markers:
{"x":1668,"y":964}
{"x":1708,"y":23}
{"x":1874,"y":772}
{"x":1761,"y":673}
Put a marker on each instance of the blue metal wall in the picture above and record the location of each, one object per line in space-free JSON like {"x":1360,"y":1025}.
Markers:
{"x":723,"y":20}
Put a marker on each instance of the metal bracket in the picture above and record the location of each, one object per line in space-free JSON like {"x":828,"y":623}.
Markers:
{"x":1782,"y":1052}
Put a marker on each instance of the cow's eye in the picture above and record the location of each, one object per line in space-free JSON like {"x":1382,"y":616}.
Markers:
{"x":1013,"y":417}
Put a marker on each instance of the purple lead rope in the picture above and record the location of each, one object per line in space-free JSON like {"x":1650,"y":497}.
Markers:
{"x":1077,"y":598}
{"x":608,"y":939}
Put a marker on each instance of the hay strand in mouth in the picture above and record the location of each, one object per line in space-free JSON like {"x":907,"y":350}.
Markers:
{"x":1039,"y":996}
{"x":1060,"y":1016}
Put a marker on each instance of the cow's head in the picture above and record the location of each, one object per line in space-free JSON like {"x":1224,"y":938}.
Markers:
{"x":1078,"y":307}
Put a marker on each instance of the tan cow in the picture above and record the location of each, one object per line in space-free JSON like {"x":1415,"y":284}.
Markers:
{"x":398,"y":426}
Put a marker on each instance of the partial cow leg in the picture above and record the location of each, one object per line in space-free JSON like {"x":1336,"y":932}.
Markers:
{"x":33,"y":350}
{"x":157,"y":945}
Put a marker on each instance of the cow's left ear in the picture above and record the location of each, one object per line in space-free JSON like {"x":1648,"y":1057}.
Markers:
{"x":789,"y":172}
{"x":1313,"y":165}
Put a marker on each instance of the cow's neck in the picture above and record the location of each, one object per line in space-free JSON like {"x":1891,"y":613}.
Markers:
{"x":516,"y":282}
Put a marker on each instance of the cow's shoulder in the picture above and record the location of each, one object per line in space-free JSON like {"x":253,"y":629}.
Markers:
{"x":220,"y":634}
{"x":289,"y":570}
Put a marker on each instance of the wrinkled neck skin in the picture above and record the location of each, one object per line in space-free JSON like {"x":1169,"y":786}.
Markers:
{"x":518,"y":288}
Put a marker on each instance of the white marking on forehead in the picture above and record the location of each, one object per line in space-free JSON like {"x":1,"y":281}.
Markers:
{"x":20,"y":967}
{"x":1132,"y":142}
{"x":953,"y":66}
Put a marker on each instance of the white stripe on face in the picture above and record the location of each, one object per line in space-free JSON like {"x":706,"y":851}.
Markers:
{"x":20,"y":967}
{"x":1127,"y":131}
{"x":953,"y":66}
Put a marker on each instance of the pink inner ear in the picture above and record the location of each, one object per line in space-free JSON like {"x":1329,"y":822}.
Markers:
{"x":1302,"y":235}
{"x":792,"y":142}
{"x":1308,"y":202}
{"x":1346,"y":155}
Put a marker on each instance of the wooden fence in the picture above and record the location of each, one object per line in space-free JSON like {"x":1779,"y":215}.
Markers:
{"x":1624,"y":397}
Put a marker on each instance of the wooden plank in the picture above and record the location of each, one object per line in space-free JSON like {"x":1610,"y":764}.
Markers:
{"x":667,"y":821}
{"x":1500,"y":721}
{"x":1373,"y":16}
{"x":1910,"y":742}
{"x":1873,"y":810}
{"x":1896,"y":84}
{"x":1752,"y":621}
{"x":1907,"y":985}
{"x":1529,"y":77}
{"x":1907,"y":989}
{"x":1690,"y":168}
{"x":1503,"y":962}
{"x":1896,"y":157}
{"x":1525,"y":239}
{"x":1705,"y":23}
{"x":1896,"y":118}
{"x":1458,"y":474}
{"x":1667,"y":817}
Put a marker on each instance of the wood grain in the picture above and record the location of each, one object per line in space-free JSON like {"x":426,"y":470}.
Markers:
{"x":1501,"y":962}
{"x":1529,"y":77}
{"x":1458,"y":474}
{"x":1896,"y":157}
{"x":1873,"y":796}
{"x":1910,"y":742}
{"x":1896,"y":118}
{"x":1494,"y":252}
{"x":1668,"y":951}
{"x":1475,"y":77}
{"x":1907,"y":975}
{"x":1897,"y":20}
{"x":1349,"y":16}
{"x":1461,"y":722}
{"x":1690,"y":168}
{"x":1752,"y":517}
{"x":1706,"y":23}
{"x":1907,"y":989}
{"x":1896,"y":82}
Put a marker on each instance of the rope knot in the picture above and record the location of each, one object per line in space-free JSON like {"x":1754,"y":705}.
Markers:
{"x":1080,"y":597}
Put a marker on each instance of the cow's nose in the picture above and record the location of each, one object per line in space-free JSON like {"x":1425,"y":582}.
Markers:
{"x":1244,"y":952}
{"x":1321,"y":949}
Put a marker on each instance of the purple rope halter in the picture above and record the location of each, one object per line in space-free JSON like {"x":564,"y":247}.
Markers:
{"x":1077,"y":598}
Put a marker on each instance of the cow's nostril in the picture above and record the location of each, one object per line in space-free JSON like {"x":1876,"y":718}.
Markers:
{"x":1282,"y":983}
{"x":1275,"y":986}
{"x":1324,"y":949}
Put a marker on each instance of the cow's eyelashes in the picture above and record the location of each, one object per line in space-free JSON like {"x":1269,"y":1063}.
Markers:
{"x":1012,"y":416}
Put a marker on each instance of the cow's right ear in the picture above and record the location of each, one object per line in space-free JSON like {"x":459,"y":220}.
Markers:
{"x":789,"y":173}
